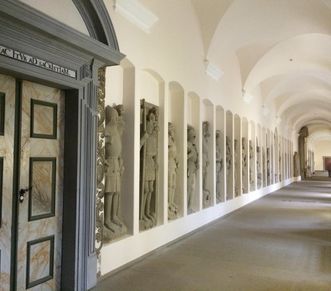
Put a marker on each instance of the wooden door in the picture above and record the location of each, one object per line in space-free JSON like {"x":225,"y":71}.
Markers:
{"x":7,"y":121}
{"x":34,"y":139}
{"x":41,"y":178}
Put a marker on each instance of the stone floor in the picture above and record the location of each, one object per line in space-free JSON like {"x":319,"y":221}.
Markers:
{"x":280,"y":242}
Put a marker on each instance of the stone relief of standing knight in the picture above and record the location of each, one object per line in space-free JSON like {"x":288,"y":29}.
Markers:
{"x":205,"y":163}
{"x":228,"y":164}
{"x":219,"y":165}
{"x":244,"y":164}
{"x":149,"y":165}
{"x":172,"y":172}
{"x":251,"y":162}
{"x":114,"y":226}
{"x":192,"y":166}
{"x":236,"y":168}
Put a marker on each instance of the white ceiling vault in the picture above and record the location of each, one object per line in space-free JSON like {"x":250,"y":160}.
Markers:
{"x":283,"y":49}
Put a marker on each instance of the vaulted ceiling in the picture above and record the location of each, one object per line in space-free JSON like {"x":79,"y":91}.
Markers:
{"x":283,"y":50}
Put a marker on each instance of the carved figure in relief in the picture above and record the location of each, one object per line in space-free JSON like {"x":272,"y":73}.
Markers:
{"x":268,"y":166}
{"x":113,"y":172}
{"x":228,"y":164}
{"x":258,"y":167}
{"x":149,"y":165}
{"x":205,"y":163}
{"x":192,"y":166}
{"x":172,"y":172}
{"x":244,"y":164}
{"x":251,"y":160}
{"x":219,"y":164}
{"x":236,"y":168}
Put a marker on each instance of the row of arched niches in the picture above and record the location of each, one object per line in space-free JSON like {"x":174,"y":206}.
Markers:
{"x":170,"y":153}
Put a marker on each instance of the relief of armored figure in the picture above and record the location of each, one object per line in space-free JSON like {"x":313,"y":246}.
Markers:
{"x":219,"y":164}
{"x":172,"y":172}
{"x":192,"y":166}
{"x":228,"y":164}
{"x":244,"y":164}
{"x":251,"y":162}
{"x":236,"y":168}
{"x":205,"y":163}
{"x":149,"y":161}
{"x":114,"y":169}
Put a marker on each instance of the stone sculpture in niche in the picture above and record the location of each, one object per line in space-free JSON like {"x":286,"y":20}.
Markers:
{"x":192,"y":166}
{"x":263,"y":167}
{"x":114,"y":226}
{"x":268,"y":167}
{"x":228,"y":164}
{"x":148,"y":165}
{"x":236,"y":167}
{"x":258,"y":167}
{"x":219,"y":165}
{"x":205,"y":163}
{"x":244,"y":165}
{"x":251,"y":163}
{"x":296,"y":163}
{"x":172,"y":172}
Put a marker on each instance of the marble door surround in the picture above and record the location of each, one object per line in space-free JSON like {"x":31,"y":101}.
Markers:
{"x":37,"y":48}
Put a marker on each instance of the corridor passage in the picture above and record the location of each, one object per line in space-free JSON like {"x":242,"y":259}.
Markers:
{"x":280,"y":242}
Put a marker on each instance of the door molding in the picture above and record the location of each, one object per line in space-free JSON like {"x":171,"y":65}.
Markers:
{"x":34,"y":34}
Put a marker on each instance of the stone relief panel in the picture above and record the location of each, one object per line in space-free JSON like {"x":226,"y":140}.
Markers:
{"x":114,"y":169}
{"x":173,"y":165}
{"x":219,"y":164}
{"x":205,"y":163}
{"x":251,"y":166}
{"x":192,"y":167}
{"x":236,"y":168}
{"x":268,"y":167}
{"x":228,"y":164}
{"x":244,"y":165}
{"x":149,"y":165}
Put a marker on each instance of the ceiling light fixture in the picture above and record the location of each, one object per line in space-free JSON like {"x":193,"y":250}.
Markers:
{"x":136,"y":13}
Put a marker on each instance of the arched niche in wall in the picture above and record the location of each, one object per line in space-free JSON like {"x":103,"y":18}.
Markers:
{"x":208,"y":153}
{"x":259,"y":165}
{"x":176,"y":149}
{"x":194,"y":175}
{"x":264,"y":157}
{"x":245,"y":156}
{"x":119,"y":94}
{"x":276,"y":154}
{"x":272,"y":158}
{"x":151,"y":101}
{"x":268,"y":157}
{"x":220,"y":154}
{"x":237,"y":156}
{"x":229,"y":169}
{"x":252,"y":156}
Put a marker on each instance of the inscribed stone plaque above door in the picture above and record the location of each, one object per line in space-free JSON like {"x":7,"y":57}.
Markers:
{"x":43,"y":119}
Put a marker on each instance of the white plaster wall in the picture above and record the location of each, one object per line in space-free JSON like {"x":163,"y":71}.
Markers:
{"x":321,"y":149}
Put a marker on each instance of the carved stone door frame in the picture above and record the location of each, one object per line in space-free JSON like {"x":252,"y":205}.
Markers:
{"x":36,"y":47}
